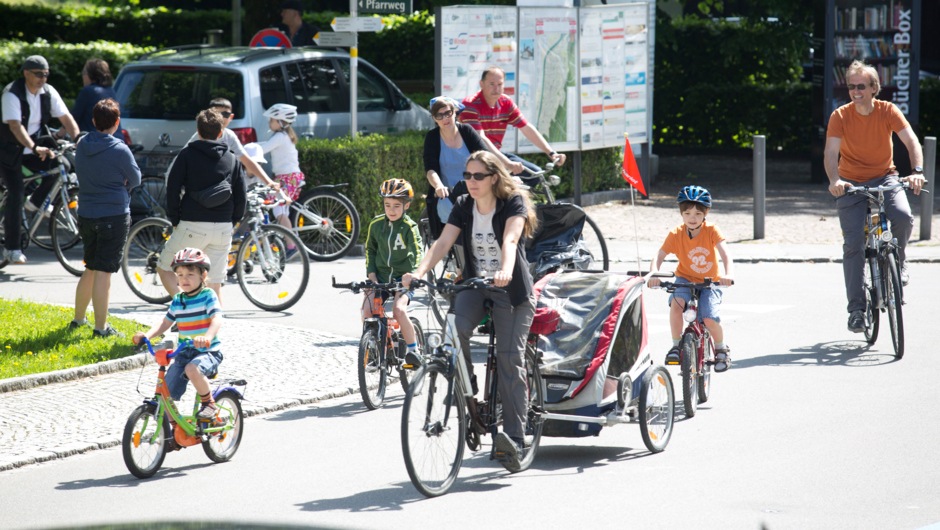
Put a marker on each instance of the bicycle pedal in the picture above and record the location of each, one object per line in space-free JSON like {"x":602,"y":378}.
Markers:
{"x":672,"y":364}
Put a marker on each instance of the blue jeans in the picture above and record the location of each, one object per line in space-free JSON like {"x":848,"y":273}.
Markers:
{"x":528,"y":181}
{"x":207,"y":362}
{"x":709,"y":302}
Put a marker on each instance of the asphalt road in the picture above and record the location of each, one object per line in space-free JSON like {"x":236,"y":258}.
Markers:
{"x":811,"y":428}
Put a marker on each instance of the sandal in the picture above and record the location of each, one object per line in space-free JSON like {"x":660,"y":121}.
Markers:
{"x":722,"y":359}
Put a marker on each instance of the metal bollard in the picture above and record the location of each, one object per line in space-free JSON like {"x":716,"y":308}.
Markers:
{"x":926,"y":199}
{"x":760,"y":184}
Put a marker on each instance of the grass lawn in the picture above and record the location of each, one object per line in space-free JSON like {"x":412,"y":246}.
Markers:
{"x":35,"y":338}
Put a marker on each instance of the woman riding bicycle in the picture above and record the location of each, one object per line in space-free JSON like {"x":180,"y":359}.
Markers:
{"x":446,"y":149}
{"x":492,"y":222}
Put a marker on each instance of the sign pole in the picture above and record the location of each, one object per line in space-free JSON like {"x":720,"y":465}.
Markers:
{"x":353,"y":73}
{"x":236,"y":22}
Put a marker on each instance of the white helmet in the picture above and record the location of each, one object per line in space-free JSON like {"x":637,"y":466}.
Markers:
{"x":282,"y":112}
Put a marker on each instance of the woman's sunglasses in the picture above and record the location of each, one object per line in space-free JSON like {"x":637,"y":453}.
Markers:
{"x":475,"y":176}
{"x":441,"y":115}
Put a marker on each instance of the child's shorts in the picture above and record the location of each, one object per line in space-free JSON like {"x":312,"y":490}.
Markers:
{"x":207,"y":362}
{"x":709,"y":303}
{"x":291,"y":184}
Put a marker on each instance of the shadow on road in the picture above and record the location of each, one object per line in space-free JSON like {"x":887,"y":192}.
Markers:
{"x":397,"y":495}
{"x":836,"y":353}
{"x":339,"y":410}
{"x":128,"y":480}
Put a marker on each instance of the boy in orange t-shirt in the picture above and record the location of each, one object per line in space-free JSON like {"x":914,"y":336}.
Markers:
{"x":696,"y":243}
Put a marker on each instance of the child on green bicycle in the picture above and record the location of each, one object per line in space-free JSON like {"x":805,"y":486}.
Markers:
{"x":393,"y":248}
{"x":695,"y":243}
{"x":198,"y":315}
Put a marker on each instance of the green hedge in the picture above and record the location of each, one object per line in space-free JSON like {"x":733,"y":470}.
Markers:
{"x":157,"y":26}
{"x":368,"y":161}
{"x":65,"y":60}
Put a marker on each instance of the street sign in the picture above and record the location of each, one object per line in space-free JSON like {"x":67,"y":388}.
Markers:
{"x":270,"y":38}
{"x":357,"y":24}
{"x":385,"y":7}
{"x":334,"y":39}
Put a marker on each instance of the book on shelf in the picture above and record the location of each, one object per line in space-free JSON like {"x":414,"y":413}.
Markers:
{"x":886,"y":74}
{"x":860,"y":47}
{"x":880,"y":17}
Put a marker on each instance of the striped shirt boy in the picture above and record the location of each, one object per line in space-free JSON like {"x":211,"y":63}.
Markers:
{"x":193,"y":314}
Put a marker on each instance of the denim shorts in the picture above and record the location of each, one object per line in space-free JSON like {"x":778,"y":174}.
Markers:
{"x":709,"y":302}
{"x":207,"y":362}
{"x":103,"y":241}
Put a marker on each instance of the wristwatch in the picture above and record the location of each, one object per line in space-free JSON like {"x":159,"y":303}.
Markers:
{"x":918,"y":169}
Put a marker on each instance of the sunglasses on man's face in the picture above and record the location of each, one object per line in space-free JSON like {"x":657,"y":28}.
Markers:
{"x":441,"y":115}
{"x":857,"y":87}
{"x":475,"y":176}
{"x":226,"y":114}
{"x":39,"y":73}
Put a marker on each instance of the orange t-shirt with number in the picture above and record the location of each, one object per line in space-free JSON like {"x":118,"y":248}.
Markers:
{"x":698,"y":257}
{"x":866,"y":150}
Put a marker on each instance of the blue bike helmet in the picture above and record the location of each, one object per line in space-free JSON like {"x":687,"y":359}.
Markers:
{"x":695,"y":194}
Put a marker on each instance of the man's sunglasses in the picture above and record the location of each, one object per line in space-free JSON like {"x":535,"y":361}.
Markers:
{"x":857,"y":87}
{"x":226,"y":114}
{"x":441,"y":115}
{"x":475,"y":176}
{"x":39,"y":73}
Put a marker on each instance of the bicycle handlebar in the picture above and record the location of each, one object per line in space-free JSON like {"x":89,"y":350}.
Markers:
{"x":671,"y":287}
{"x":868,"y":190}
{"x":368,"y":285}
{"x":185,"y":343}
{"x":471,"y":283}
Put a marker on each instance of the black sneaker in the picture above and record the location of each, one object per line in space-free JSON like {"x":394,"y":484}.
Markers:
{"x":857,"y":321}
{"x":673,"y":356}
{"x":73,"y":325}
{"x":413,"y":359}
{"x":508,"y":452}
{"x":106,"y":332}
{"x":207,"y":411}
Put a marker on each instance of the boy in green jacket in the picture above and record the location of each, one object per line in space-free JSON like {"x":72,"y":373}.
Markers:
{"x":393,"y":248}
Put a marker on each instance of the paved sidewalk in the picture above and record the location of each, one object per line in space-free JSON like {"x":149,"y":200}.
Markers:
{"x":286,"y":367}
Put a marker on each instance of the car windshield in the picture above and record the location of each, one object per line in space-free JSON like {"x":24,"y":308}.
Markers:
{"x":171,"y":93}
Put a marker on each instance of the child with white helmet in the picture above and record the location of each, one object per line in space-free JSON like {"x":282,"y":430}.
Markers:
{"x":284,"y":160}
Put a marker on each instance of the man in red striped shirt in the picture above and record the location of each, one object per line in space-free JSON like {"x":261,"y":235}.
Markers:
{"x":490,"y":112}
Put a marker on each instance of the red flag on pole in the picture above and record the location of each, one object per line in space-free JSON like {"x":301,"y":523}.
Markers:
{"x":630,"y":172}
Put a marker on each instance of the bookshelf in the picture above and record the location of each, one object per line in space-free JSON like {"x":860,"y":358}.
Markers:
{"x":882,"y":33}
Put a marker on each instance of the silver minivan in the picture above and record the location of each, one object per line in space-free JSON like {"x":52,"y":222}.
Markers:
{"x":161,"y":93}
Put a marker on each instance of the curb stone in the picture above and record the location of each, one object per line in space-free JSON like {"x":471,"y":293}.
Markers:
{"x":71,"y":374}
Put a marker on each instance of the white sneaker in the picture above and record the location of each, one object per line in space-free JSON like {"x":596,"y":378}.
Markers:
{"x":32,"y":208}
{"x":15,"y":257}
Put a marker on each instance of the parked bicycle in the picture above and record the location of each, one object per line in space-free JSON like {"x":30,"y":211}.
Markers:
{"x":382,"y":347}
{"x":147,"y":433}
{"x":326,"y":222}
{"x":884,"y":292}
{"x":696,"y":349}
{"x":60,"y":231}
{"x":435,"y":423}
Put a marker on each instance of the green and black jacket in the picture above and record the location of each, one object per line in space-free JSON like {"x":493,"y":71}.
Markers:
{"x":392,"y":248}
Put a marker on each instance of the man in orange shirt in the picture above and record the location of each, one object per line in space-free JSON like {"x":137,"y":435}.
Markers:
{"x":860,"y":132}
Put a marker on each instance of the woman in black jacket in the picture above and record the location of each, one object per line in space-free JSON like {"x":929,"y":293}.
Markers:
{"x":492,"y":221}
{"x":446,"y":149}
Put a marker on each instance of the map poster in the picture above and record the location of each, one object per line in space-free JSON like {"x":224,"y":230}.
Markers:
{"x":613,"y":61}
{"x":548,"y":76}
{"x":473,"y":39}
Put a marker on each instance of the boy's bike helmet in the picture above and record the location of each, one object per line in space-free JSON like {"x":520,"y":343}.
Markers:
{"x":282,"y":112}
{"x":397,"y":188}
{"x":695,"y":194}
{"x":191,"y":256}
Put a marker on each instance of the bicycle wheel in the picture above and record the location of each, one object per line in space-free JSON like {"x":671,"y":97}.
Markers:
{"x":657,"y":408}
{"x":595,"y":242}
{"x":144,"y":450}
{"x":149,"y":199}
{"x":403,"y":373}
{"x":271,"y":275}
{"x":372,"y":371}
{"x":433,"y":427}
{"x":874,"y":316}
{"x":64,"y":231}
{"x":535,"y":406}
{"x":221,"y":447}
{"x":704,"y":379}
{"x":689,"y":368}
{"x":334,"y":234}
{"x":142,"y":250}
{"x":893,"y":301}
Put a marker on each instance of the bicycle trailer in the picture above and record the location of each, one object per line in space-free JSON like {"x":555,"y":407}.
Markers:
{"x":557,"y":243}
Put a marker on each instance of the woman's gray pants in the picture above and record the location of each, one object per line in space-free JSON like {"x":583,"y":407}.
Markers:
{"x":512,"y":329}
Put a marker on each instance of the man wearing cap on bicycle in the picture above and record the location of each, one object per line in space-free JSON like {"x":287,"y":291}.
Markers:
{"x":490,"y":112}
{"x":859,"y":152}
{"x":28,"y":106}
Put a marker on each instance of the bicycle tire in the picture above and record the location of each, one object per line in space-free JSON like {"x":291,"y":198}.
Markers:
{"x":874,"y":316}
{"x":64,"y":238}
{"x":341,"y":232}
{"x":535,"y":404}
{"x":403,"y":373}
{"x":142,"y":250}
{"x":597,"y":244}
{"x":893,"y":302}
{"x":280,"y":282}
{"x":689,"y":365}
{"x":657,"y":408}
{"x":704,"y":380}
{"x":432,"y":461}
{"x":373,"y":374}
{"x":221,"y":447}
{"x":151,"y":204}
{"x":142,"y":457}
